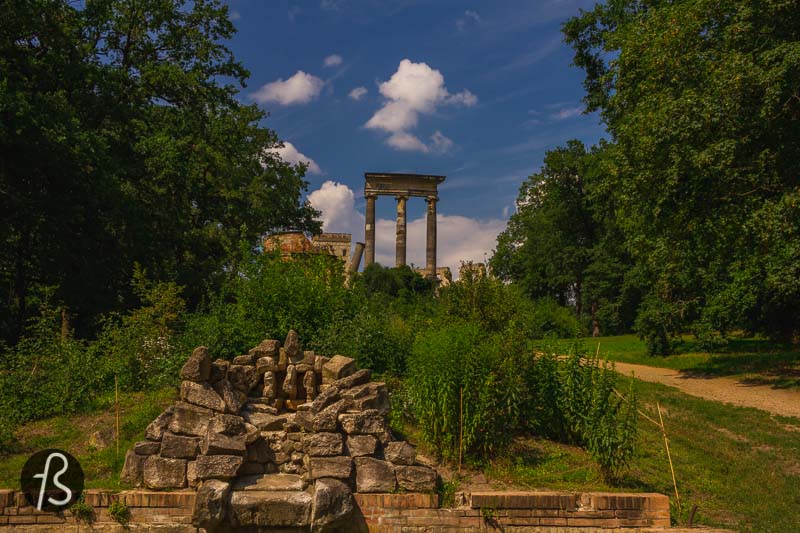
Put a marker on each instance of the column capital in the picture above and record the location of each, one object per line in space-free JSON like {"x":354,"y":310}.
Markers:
{"x":432,"y":198}
{"x":371,"y":195}
{"x":399,"y":197}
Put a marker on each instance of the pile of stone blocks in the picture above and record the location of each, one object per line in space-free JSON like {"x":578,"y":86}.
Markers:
{"x":279,"y":437}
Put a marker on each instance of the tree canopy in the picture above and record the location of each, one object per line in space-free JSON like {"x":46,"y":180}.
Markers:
{"x":700,"y":181}
{"x":122,"y":141}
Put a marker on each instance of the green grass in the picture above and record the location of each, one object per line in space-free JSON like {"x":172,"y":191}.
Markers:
{"x":739,"y":465}
{"x":101,"y":467}
{"x":755,"y":361}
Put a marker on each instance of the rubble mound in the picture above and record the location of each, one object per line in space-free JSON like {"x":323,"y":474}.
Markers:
{"x":277,"y":439}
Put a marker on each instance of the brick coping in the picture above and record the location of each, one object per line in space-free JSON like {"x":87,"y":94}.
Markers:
{"x":390,"y":512}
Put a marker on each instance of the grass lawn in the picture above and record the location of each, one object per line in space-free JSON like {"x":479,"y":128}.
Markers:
{"x":101,"y":467}
{"x":739,"y":465}
{"x":755,"y":361}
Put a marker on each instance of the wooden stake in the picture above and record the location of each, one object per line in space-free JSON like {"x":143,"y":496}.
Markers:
{"x":461,"y":430}
{"x":116,"y":403}
{"x":669,"y":458}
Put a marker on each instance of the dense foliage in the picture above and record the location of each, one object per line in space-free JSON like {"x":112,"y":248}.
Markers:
{"x":122,"y":140}
{"x":472,"y":393}
{"x":689,"y":219}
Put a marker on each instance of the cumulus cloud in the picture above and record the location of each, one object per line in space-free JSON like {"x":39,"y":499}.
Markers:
{"x":292,"y":155}
{"x":337,"y":205}
{"x":459,"y":238}
{"x":357,"y":93}
{"x":299,"y":89}
{"x":414,"y":89}
{"x":333,"y":60}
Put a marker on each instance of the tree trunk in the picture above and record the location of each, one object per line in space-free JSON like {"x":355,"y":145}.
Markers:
{"x":595,"y":322}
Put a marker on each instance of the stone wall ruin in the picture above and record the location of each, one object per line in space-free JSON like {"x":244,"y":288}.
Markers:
{"x":277,"y":438}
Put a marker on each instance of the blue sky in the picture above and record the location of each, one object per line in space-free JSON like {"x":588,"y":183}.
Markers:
{"x":476,"y":91}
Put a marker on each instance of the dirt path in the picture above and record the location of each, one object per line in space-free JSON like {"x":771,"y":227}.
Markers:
{"x":721,"y":389}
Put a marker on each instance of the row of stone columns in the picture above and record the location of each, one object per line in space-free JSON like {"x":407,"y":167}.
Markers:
{"x":400,"y":235}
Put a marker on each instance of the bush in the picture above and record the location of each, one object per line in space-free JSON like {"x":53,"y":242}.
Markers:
{"x":498,"y":307}
{"x":119,"y":512}
{"x":462,"y":382}
{"x":140,"y":347}
{"x":376,"y":337}
{"x":48,"y":372}
{"x":656,"y":324}
{"x":267,"y":297}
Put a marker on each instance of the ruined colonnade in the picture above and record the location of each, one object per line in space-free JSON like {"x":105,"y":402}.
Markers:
{"x":402,"y":186}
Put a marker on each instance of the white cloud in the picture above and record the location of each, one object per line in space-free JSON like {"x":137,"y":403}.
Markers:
{"x":290,"y":154}
{"x":333,"y":60}
{"x":414,"y":89}
{"x":337,"y":205}
{"x":299,"y":89}
{"x":357,"y":93}
{"x":459,"y":238}
{"x":567,"y":112}
{"x":406,"y":142}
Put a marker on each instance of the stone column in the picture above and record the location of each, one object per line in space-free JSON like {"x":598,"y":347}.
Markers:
{"x":430,"y":248}
{"x":400,"y":237}
{"x":355,"y":259}
{"x":369,"y":231}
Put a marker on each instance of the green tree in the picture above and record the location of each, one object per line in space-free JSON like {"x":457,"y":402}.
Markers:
{"x":122,"y":140}
{"x":562,"y":242}
{"x":702,"y":101}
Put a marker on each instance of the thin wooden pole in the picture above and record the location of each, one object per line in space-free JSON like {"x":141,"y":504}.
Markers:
{"x":669,"y":458}
{"x":116,"y":403}
{"x":461,"y":430}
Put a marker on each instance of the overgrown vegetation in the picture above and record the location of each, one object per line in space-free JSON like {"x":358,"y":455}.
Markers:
{"x":472,"y":394}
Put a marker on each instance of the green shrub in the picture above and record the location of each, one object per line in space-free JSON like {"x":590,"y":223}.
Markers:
{"x":657,"y":324}
{"x":119,"y":512}
{"x":498,"y":306}
{"x":140,"y":347}
{"x":578,"y":393}
{"x":462,"y":381}
{"x":377,"y":337}
{"x":82,"y":511}
{"x":48,"y":372}
{"x":266,"y":298}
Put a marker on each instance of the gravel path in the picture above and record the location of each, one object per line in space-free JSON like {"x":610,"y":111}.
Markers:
{"x":721,"y":389}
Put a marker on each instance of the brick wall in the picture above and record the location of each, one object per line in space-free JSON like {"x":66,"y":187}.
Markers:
{"x":381,"y":513}
{"x":514,"y":511}
{"x":171,"y":510}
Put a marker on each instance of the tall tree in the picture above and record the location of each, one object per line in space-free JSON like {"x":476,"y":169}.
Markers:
{"x":560,"y":243}
{"x":702,"y":99}
{"x":122,"y":141}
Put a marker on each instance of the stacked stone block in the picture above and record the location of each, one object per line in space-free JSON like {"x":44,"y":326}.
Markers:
{"x":279,"y":437}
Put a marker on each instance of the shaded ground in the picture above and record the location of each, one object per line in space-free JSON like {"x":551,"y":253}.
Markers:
{"x":746,"y":392}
